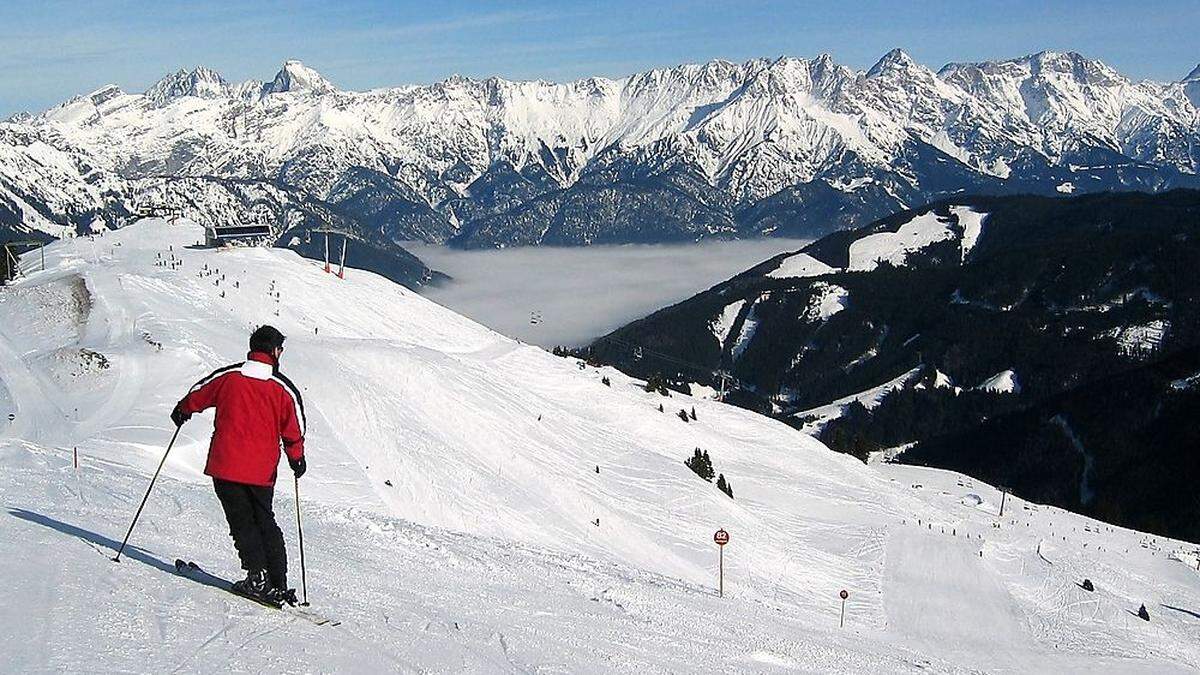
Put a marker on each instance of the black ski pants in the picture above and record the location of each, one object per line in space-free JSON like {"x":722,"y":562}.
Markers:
{"x":256,"y":536}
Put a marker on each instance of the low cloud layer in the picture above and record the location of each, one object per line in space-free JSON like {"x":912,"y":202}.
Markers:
{"x":568,"y":296}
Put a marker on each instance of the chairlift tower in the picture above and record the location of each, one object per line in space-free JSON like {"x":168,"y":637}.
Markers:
{"x":341,"y":273}
{"x":724,"y":376}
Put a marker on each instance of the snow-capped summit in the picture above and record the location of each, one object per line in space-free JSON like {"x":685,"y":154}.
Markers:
{"x":897,"y":59}
{"x":294,"y":76}
{"x":104,"y":94}
{"x":200,"y":82}
{"x":1193,"y":76}
{"x":749,"y":147}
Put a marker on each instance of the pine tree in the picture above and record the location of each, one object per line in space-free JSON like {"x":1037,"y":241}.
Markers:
{"x":657,"y":382}
{"x":605,"y":381}
{"x":683,"y":415}
{"x":700,"y":464}
{"x":660,"y":408}
{"x":724,"y":486}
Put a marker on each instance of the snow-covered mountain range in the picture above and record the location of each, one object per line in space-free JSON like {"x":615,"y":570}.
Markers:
{"x":770,"y":146}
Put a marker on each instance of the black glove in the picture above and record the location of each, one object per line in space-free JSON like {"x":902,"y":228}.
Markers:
{"x":299,"y":466}
{"x":179,"y":417}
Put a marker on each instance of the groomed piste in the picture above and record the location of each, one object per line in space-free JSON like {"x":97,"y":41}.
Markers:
{"x":477,"y":504}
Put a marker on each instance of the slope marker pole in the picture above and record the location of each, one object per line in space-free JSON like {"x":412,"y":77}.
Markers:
{"x":721,"y":537}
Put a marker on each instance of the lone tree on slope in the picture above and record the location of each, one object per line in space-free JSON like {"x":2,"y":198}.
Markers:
{"x":724,"y":486}
{"x":700,"y":464}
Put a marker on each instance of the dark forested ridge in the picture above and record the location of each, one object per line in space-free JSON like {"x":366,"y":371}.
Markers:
{"x":1080,"y":314}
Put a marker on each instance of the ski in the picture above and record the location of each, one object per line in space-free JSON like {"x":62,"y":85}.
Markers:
{"x":198,"y":574}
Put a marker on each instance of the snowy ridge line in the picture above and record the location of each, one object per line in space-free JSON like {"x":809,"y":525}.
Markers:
{"x":766,"y":125}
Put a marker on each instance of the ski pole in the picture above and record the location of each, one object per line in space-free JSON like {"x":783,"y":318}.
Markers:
{"x":300,"y":532}
{"x":117,"y":557}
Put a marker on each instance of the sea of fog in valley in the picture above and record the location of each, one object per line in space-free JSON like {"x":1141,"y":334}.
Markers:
{"x":567,"y":296}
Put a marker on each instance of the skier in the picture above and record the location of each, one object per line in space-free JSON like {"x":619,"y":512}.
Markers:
{"x":257,"y":408}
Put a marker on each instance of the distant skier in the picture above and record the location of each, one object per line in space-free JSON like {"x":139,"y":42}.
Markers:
{"x":257,"y":409}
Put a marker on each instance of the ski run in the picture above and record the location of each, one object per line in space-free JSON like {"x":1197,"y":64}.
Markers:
{"x":474,"y":504}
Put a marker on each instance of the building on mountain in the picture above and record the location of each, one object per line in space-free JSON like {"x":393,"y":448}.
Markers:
{"x":236,"y":235}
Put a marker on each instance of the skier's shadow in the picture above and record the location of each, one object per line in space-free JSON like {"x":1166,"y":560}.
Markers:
{"x":131,"y":552}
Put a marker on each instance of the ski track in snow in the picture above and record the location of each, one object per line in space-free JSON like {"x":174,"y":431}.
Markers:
{"x":483,"y":554}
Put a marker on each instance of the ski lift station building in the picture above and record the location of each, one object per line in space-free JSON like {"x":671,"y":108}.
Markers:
{"x":227,"y":235}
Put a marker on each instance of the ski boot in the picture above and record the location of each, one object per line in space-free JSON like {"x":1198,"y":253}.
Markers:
{"x":256,"y":585}
{"x":286,"y":596}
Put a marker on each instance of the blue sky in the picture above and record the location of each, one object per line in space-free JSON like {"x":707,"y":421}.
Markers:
{"x":51,"y":50}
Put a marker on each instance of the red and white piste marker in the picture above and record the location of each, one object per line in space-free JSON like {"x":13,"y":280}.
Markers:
{"x":721,"y":537}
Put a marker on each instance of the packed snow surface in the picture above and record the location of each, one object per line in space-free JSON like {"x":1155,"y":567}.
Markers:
{"x":1003,"y":382}
{"x":866,"y":253}
{"x":800,"y":265}
{"x":971,"y":222}
{"x":893,"y":247}
{"x":816,"y":418}
{"x":455,"y":520}
{"x":827,"y":300}
{"x":746,"y":332}
{"x":723,"y":322}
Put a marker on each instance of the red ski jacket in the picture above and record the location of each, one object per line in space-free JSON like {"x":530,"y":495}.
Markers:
{"x":257,"y":407}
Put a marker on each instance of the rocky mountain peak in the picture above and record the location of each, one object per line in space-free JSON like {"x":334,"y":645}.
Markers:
{"x":294,"y":76}
{"x":1073,"y":65}
{"x":1193,"y":76}
{"x":200,"y":82}
{"x":896,"y":60}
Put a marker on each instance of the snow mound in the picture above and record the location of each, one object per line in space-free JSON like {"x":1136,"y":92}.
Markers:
{"x":800,"y":265}
{"x":1003,"y":382}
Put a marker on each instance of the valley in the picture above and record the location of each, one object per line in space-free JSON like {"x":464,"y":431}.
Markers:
{"x":568,"y":296}
{"x":1042,"y":344}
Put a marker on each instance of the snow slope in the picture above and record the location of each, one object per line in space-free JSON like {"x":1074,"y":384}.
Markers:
{"x":800,"y":265}
{"x":816,"y":418}
{"x":1003,"y":382}
{"x":454,"y":517}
